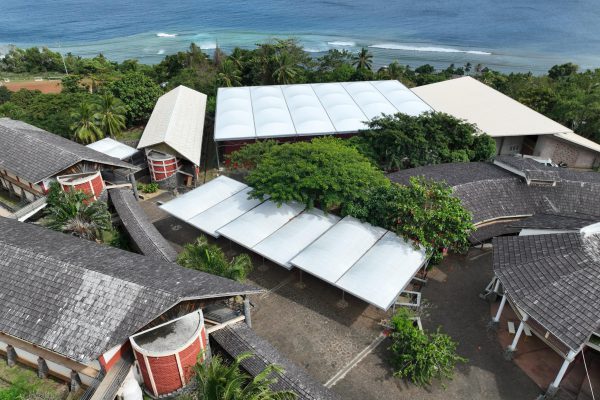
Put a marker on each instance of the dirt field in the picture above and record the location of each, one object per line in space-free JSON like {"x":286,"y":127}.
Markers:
{"x":43,"y":86}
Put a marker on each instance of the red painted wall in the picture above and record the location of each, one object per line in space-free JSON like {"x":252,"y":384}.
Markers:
{"x":166,"y":374}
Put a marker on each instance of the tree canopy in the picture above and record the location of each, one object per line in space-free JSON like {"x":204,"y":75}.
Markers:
{"x":424,"y":211}
{"x":138,"y":93}
{"x":324,"y":173}
{"x":403,"y":141}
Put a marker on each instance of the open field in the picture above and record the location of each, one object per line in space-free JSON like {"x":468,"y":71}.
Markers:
{"x":44,"y":86}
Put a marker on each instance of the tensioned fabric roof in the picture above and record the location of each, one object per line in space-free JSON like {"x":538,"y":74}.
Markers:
{"x":177,"y":121}
{"x":369,"y":262}
{"x":113,"y":148}
{"x":259,"y":112}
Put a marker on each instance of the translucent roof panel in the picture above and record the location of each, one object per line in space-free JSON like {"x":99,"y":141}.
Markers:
{"x":113,"y":148}
{"x":343,"y":112}
{"x":202,"y":198}
{"x":369,"y":99}
{"x":295,"y":236}
{"x":223,"y":213}
{"x":331,"y":255}
{"x":260,"y":222}
{"x":271,"y":114}
{"x":306,"y":110}
{"x":234,"y":119}
{"x":384,"y":271}
{"x":401,"y":97}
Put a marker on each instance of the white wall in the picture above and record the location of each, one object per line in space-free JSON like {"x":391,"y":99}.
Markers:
{"x":510,"y":145}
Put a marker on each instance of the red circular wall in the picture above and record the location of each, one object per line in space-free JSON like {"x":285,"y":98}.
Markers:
{"x":93,"y":185}
{"x":164,"y":168}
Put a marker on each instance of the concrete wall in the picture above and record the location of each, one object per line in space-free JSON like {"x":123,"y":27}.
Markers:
{"x":509,"y":145}
{"x":559,"y":151}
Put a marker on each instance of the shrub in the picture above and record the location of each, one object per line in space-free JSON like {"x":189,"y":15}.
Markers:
{"x":210,"y":258}
{"x":148,"y":187}
{"x":419,"y":356}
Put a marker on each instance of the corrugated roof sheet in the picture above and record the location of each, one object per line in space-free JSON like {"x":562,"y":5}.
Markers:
{"x":177,"y":121}
{"x":34,"y":154}
{"x":79,"y":298}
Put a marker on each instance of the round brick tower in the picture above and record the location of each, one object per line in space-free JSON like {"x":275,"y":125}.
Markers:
{"x":89,"y":182}
{"x":162,"y":166}
{"x":166,"y":354}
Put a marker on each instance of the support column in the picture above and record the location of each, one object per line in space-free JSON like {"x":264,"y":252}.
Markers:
{"x":553,"y":388}
{"x":513,"y":346}
{"x":496,"y":319}
{"x":42,"y":370}
{"x":134,"y":187}
{"x":11,"y":356}
{"x":497,"y":285}
{"x":75,"y":383}
{"x":247,"y":311}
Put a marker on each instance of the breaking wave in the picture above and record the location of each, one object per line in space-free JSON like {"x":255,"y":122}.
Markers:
{"x":341,"y":43}
{"x":431,"y":49}
{"x":162,"y":34}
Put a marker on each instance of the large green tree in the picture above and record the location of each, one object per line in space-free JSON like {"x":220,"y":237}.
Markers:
{"x":424,"y":211}
{"x":139,"y":94}
{"x":363,"y":59}
{"x":324,"y":173}
{"x":403,"y":141}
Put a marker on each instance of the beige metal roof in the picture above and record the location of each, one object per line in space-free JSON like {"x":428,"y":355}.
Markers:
{"x":177,"y":121}
{"x":493,"y":112}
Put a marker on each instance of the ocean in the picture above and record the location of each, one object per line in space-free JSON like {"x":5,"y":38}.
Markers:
{"x":509,"y":35}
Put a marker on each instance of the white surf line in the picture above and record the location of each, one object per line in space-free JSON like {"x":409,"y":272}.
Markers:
{"x":278,"y":286}
{"x":359,"y":357}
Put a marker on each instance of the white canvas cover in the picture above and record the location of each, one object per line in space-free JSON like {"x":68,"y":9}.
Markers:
{"x":113,"y":148}
{"x":201,"y":199}
{"x":260,"y":112}
{"x":334,"y":253}
{"x":383,"y":271}
{"x":285,"y":243}
{"x":260,"y":222}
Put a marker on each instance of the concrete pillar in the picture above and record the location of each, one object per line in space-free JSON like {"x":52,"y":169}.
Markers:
{"x":11,"y":356}
{"x":134,"y":186}
{"x":42,"y":370}
{"x":247,"y":311}
{"x":553,"y":388}
{"x":75,"y":383}
{"x":496,"y":319}
{"x":497,"y":285}
{"x":513,"y":345}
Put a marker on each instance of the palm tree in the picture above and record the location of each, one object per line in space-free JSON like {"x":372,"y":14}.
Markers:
{"x":285,"y":69}
{"x":71,"y":212}
{"x":229,"y":75}
{"x":85,"y":124}
{"x":363,"y":60}
{"x":111,"y":115}
{"x":210,"y":258}
{"x":218,"y":380}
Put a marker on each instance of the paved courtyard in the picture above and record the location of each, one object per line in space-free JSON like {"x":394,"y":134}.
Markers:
{"x":310,"y":323}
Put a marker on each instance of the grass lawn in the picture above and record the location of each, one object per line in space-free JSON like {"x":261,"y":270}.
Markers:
{"x":19,"y":77}
{"x":20,"y":381}
{"x":131,"y":134}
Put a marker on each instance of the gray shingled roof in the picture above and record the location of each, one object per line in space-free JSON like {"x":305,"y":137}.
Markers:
{"x":79,"y":298}
{"x":490,"y":192}
{"x":555,"y":279}
{"x":238,"y":338}
{"x":556,"y":221}
{"x":143,"y":233}
{"x":34,"y":154}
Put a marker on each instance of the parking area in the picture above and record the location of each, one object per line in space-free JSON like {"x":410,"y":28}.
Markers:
{"x":337,"y":339}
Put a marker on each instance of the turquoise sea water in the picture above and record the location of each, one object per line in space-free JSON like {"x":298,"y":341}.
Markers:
{"x":513,"y":35}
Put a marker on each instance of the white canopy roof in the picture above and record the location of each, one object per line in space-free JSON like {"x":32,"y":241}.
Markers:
{"x":177,"y":121}
{"x":260,"y":112}
{"x":493,"y":112}
{"x":370,"y":262}
{"x":113,"y":148}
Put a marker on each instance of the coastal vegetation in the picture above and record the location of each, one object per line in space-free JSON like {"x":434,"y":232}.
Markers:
{"x":565,"y":94}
